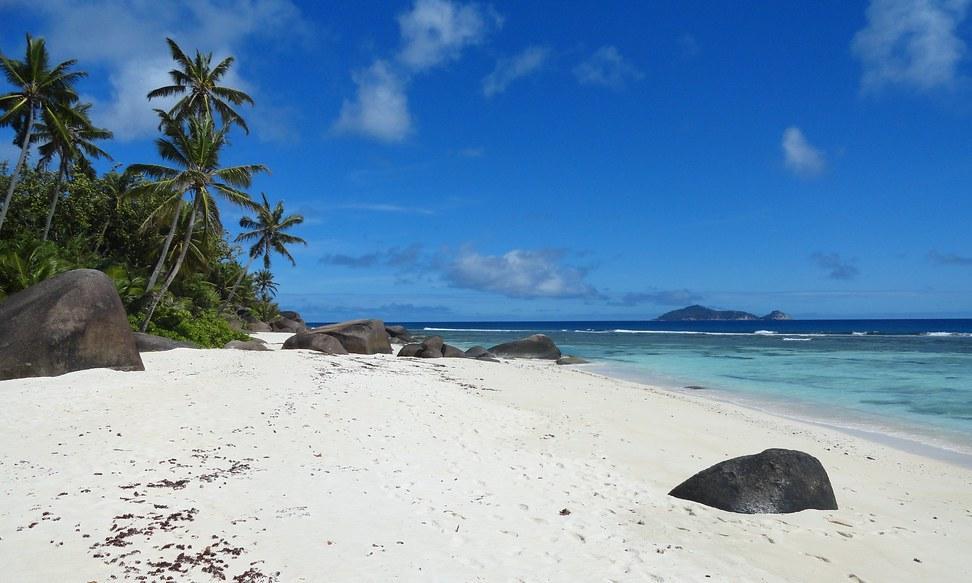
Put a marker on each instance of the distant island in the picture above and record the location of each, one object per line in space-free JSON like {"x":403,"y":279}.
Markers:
{"x":697,"y":312}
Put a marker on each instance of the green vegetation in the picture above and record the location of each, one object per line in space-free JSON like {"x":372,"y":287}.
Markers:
{"x":153,"y":228}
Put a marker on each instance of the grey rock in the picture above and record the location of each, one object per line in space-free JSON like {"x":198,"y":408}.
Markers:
{"x":359,"y":336}
{"x":319,"y":342}
{"x":257,"y":326}
{"x":774,"y":481}
{"x":73,"y":321}
{"x":247,"y":345}
{"x":452,"y":352}
{"x":410,"y":350}
{"x":537,"y":346}
{"x":399,"y":333}
{"x":152,"y":343}
{"x":478,"y":351}
{"x":282,"y":324}
{"x":292,"y":315}
{"x":571,"y":360}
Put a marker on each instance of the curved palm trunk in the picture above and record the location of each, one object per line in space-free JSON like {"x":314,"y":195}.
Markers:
{"x":56,"y":196}
{"x":15,"y":177}
{"x":239,"y":279}
{"x":175,"y":268}
{"x":165,"y":252}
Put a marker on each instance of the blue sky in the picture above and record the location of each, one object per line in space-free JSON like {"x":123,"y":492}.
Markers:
{"x":464,"y":161}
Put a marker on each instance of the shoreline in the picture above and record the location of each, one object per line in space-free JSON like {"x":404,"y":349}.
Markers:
{"x":291,"y":464}
{"x":901,"y":435}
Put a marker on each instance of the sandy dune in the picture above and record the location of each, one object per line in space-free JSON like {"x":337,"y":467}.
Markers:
{"x":291,"y":466}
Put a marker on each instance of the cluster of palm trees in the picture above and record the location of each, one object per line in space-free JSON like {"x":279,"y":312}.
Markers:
{"x":44,"y":109}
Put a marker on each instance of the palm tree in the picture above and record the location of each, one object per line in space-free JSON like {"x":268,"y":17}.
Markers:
{"x":116,"y":186}
{"x":39,"y":90}
{"x":194,"y":150}
{"x":264,"y":284}
{"x":71,"y":143}
{"x":267,"y":230}
{"x":201,"y":80}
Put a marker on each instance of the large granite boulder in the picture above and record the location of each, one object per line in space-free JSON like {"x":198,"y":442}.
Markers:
{"x":319,"y":342}
{"x":479,"y":352}
{"x":247,"y":345}
{"x":399,"y":333}
{"x":257,"y":326}
{"x":536,"y":346}
{"x":452,"y":352}
{"x":411,"y":350}
{"x":292,"y":315}
{"x":775,"y":481}
{"x":568,"y":360}
{"x":152,"y":343}
{"x":359,"y":336}
{"x":70,"y":322}
{"x":284,"y":324}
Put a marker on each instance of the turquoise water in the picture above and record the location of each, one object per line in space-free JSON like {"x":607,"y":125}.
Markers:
{"x":908,"y":380}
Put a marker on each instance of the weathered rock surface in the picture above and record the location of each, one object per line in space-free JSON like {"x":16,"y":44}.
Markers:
{"x":399,"y":333}
{"x":452,"y":352}
{"x":73,"y":321}
{"x":283,"y":324}
{"x":359,"y":336}
{"x":319,"y":342}
{"x":410,"y":350}
{"x":257,"y":326}
{"x":478,"y":351}
{"x":536,"y":346}
{"x":565,"y":360}
{"x":152,"y":343}
{"x":246,"y":345}
{"x":774,"y":481}
{"x":292,"y":315}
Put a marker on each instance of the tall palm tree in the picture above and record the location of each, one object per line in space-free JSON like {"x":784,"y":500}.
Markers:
{"x":40,"y":90}
{"x":72,"y":144}
{"x":264,"y":284}
{"x":267,"y":230}
{"x":194,"y":150}
{"x":200,"y":81}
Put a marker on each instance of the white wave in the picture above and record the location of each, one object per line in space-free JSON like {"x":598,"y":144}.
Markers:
{"x":788,"y":339}
{"x":944,"y":334}
{"x":427,"y":329}
{"x":764,"y":333}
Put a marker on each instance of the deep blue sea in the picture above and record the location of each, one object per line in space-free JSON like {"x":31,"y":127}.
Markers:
{"x":906,"y":378}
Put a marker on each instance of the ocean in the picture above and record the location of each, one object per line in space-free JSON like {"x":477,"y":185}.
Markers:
{"x":907,"y":381}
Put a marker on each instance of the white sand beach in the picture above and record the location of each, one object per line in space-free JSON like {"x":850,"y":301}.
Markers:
{"x":293,"y":466}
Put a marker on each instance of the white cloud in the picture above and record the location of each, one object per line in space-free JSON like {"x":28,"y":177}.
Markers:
{"x":608,"y":68}
{"x":380,"y":109}
{"x":436,"y":31}
{"x":799,"y":156}
{"x":529,"y":61}
{"x":128,"y":39}
{"x":910,"y":43}
{"x":519,"y":273}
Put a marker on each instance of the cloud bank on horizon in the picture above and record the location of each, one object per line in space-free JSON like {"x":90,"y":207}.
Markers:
{"x":455,"y":153}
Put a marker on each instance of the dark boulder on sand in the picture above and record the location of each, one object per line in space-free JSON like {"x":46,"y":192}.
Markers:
{"x":537,"y":346}
{"x":775,"y":481}
{"x":73,"y":321}
{"x":566,"y":360}
{"x":292,"y":315}
{"x":257,"y":326}
{"x":247,"y":345}
{"x":431,"y":347}
{"x":478,"y":351}
{"x":319,"y":342}
{"x":283,"y":324}
{"x":358,"y":336}
{"x":452,"y":352}
{"x":410,"y":350}
{"x":152,"y":343}
{"x":399,"y":333}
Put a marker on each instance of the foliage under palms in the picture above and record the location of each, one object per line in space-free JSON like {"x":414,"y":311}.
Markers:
{"x":27,"y":262}
{"x":71,"y":143}
{"x":199,"y":83}
{"x":194,"y":151}
{"x":39,"y":89}
{"x":267,"y":231}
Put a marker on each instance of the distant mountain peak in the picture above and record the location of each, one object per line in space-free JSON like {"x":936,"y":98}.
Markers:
{"x":697,"y":312}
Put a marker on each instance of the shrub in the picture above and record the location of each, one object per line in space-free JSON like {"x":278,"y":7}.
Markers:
{"x":206,"y":328}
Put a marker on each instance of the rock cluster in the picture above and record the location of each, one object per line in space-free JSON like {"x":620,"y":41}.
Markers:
{"x":538,"y":346}
{"x":152,"y":343}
